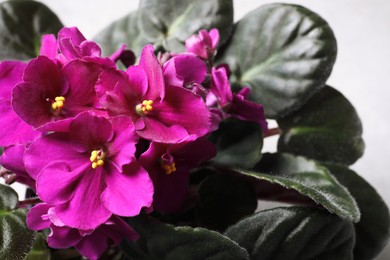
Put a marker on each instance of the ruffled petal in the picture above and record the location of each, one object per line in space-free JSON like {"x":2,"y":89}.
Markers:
{"x":37,"y":218}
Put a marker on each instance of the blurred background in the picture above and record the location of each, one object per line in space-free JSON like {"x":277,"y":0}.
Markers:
{"x":361,"y":72}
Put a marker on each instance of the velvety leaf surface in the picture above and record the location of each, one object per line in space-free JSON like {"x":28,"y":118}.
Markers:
{"x":162,"y":241}
{"x":123,"y":31}
{"x":238,"y":143}
{"x":294,"y":233}
{"x":223,"y":200}
{"x":22,"y":23}
{"x":284,"y":53}
{"x":308,"y":178}
{"x":373,"y":229}
{"x":39,"y":250}
{"x":15,"y":238}
{"x":170,"y":23}
{"x":326,"y":128}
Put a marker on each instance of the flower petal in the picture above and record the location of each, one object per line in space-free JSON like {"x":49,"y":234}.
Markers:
{"x":63,"y":237}
{"x":36,"y":217}
{"x":49,"y":46}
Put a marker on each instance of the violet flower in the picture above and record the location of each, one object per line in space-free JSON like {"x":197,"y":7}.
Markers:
{"x":204,"y":44}
{"x":90,"y":173}
{"x":90,"y":243}
{"x":169,"y":166}
{"x":233,"y":105}
{"x":160,"y":113}
{"x":49,"y":97}
{"x":13,"y":130}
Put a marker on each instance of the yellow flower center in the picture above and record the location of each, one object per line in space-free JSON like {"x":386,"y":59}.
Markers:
{"x":144,"y":107}
{"x":58,"y":103}
{"x":97,"y":158}
{"x":168,"y":168}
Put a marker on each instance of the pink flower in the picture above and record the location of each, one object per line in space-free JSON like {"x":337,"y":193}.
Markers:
{"x":13,"y":130}
{"x":169,"y":166}
{"x":90,"y":243}
{"x":204,"y":44}
{"x":160,"y":113}
{"x":48,"y":97}
{"x":90,"y":173}
{"x":233,"y":105}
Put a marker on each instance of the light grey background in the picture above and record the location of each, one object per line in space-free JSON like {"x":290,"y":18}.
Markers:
{"x":361,"y":72}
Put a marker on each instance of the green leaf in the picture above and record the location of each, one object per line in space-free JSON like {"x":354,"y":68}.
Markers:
{"x":308,"y":178}
{"x":294,"y":233}
{"x":22,"y":23}
{"x":223,"y":200}
{"x":284,"y":53}
{"x":162,"y":241}
{"x":39,"y":251}
{"x":327,"y":128}
{"x":373,"y":230}
{"x":238,"y":143}
{"x":124,"y":31}
{"x":170,"y":23}
{"x":15,"y":238}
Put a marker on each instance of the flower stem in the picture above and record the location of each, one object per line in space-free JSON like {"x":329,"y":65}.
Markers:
{"x":272,"y":132}
{"x":26,"y":202}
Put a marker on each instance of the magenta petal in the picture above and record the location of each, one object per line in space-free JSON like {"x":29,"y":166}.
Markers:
{"x":90,"y":131}
{"x":186,"y":67}
{"x":85,"y":209}
{"x":220,"y":86}
{"x":15,"y":131}
{"x":72,"y":33}
{"x":90,"y":48}
{"x":128,"y":192}
{"x":150,"y":64}
{"x":214,"y":35}
{"x":138,"y":81}
{"x":108,"y":79}
{"x":36,"y":219}
{"x":63,"y":237}
{"x":49,"y":46}
{"x":249,"y":111}
{"x":154,"y":130}
{"x":10,"y":74}
{"x":93,"y":246}
{"x":57,"y":181}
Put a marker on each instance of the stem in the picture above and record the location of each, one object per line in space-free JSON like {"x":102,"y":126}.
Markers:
{"x":27,"y":202}
{"x":273,"y":131}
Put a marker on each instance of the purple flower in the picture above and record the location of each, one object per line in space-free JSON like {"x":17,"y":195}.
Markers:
{"x":49,"y":97}
{"x":13,"y":130}
{"x":12,"y":160}
{"x":169,"y":166}
{"x":160,"y":113}
{"x":233,"y":105}
{"x":204,"y":44}
{"x":90,"y":243}
{"x":90,"y":173}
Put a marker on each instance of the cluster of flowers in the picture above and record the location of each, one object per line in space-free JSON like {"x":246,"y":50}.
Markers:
{"x":97,"y":143}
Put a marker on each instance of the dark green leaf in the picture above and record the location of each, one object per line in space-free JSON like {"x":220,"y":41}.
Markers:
{"x":124,"y":31}
{"x":295,"y":233}
{"x":15,"y":238}
{"x":167,"y":242}
{"x":223,"y":200}
{"x":373,"y":230}
{"x":284,"y":53}
{"x":39,"y":251}
{"x":238,"y":143}
{"x":22,"y":23}
{"x":327,"y":128}
{"x":308,"y":178}
{"x":170,"y":23}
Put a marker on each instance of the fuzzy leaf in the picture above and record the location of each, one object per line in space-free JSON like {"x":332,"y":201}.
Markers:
{"x":170,"y":23}
{"x":22,"y":23}
{"x":326,"y":128}
{"x":373,"y":230}
{"x":308,"y":178}
{"x":223,"y":200}
{"x":162,"y":241}
{"x":294,"y":233}
{"x":15,"y":238}
{"x":239,"y":143}
{"x":39,"y":251}
{"x":284,"y":53}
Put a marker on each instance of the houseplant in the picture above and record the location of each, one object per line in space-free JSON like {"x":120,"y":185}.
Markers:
{"x":284,"y":54}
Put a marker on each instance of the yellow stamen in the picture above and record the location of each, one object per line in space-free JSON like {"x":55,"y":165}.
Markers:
{"x":97,"y":158}
{"x":58,"y":103}
{"x":168,"y":169}
{"x":144,"y":107}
